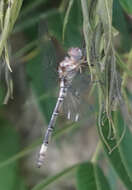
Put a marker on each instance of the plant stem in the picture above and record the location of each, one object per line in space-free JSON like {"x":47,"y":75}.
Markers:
{"x":97,"y":153}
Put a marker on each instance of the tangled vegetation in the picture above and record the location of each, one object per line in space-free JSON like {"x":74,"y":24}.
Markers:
{"x":103,"y":27}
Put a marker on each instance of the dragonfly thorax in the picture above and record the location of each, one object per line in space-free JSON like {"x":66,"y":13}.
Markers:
{"x":70,"y":65}
{"x":67,"y":70}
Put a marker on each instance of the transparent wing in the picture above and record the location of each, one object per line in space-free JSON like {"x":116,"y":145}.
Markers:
{"x":46,"y":68}
{"x":76,"y":103}
{"x":48,"y":57}
{"x":70,"y":107}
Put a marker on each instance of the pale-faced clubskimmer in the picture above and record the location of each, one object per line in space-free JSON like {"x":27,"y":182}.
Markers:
{"x":74,"y":80}
{"x":67,"y":70}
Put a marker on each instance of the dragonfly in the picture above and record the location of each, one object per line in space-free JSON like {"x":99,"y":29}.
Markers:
{"x":68,"y":69}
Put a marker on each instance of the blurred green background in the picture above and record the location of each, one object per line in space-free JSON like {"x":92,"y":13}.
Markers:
{"x":43,"y":32}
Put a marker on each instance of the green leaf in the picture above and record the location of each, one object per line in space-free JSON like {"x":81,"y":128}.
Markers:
{"x":72,"y":26}
{"x":121,"y":156}
{"x":46,"y":182}
{"x":9,"y":145}
{"x":33,"y":20}
{"x":119,"y":22}
{"x":2,"y":95}
{"x":123,"y":66}
{"x":112,"y":178}
{"x":87,"y":30}
{"x":20,"y":185}
{"x":90,"y":176}
{"x":129,"y":95}
{"x":37,"y":143}
{"x":55,"y":24}
{"x":127,"y":5}
{"x":67,"y":16}
{"x":11,"y":14}
{"x":30,"y":7}
{"x":43,"y":82}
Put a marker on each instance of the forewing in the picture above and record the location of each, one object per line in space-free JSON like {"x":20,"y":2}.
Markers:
{"x":76,"y":104}
{"x":48,"y":58}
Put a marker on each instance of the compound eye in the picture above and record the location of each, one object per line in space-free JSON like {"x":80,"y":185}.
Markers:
{"x":75,"y":53}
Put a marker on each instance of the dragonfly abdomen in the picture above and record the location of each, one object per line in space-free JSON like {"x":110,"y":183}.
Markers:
{"x":44,"y":146}
{"x":67,"y":70}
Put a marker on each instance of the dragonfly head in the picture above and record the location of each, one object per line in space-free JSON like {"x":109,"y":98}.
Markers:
{"x":71,"y":64}
{"x":75,"y":53}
